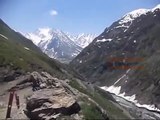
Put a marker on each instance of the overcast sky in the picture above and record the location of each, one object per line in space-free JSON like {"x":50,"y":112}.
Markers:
{"x":73,"y":16}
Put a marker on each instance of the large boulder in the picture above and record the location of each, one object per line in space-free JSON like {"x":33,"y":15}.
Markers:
{"x":43,"y":80}
{"x":49,"y":99}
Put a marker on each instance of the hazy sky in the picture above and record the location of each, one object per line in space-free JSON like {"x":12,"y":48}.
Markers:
{"x":74,"y":16}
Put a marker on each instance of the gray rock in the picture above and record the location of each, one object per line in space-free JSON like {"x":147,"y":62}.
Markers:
{"x":43,"y":80}
{"x":50,"y":99}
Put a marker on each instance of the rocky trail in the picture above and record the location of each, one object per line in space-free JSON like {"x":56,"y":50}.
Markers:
{"x":43,"y":97}
{"x":39,"y":94}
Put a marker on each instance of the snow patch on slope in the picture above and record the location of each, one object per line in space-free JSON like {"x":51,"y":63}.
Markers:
{"x":116,"y":90}
{"x":26,"y":48}
{"x":4,"y":36}
{"x":104,"y":40}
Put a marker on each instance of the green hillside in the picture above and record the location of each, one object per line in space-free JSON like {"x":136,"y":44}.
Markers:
{"x":19,"y":54}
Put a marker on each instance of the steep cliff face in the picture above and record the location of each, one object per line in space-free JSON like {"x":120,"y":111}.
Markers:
{"x":126,"y":54}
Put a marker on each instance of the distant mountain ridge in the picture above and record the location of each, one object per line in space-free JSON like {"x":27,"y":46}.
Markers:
{"x":82,"y":40}
{"x":58,"y":44}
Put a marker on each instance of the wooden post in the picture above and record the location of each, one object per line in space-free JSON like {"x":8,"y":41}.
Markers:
{"x":17,"y":100}
{"x":8,"y":115}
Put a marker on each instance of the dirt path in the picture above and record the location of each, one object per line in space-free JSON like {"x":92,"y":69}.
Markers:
{"x":4,"y":97}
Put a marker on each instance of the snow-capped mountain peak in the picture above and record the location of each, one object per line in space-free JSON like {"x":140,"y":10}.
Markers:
{"x":132,"y":15}
{"x":124,"y":23}
{"x":58,"y":44}
{"x":44,"y":33}
{"x":39,"y":35}
{"x":129,"y":17}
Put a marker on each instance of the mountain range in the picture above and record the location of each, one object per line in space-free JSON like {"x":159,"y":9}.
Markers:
{"x":112,"y":76}
{"x":58,"y":44}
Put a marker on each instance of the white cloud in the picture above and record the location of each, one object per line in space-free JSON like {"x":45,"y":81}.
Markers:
{"x":53,"y":12}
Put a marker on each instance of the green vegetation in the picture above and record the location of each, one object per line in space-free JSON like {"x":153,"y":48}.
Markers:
{"x":19,"y":53}
{"x":76,"y":85}
{"x":113,"y":111}
{"x":90,"y":111}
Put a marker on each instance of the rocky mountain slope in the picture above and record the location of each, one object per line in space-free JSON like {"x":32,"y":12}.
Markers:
{"x":58,"y":44}
{"x":55,"y":43}
{"x":125,"y":57}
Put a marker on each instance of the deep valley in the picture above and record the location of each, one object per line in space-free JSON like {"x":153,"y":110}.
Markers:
{"x":50,"y":74}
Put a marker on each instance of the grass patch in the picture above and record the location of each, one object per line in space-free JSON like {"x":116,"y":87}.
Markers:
{"x":90,"y":111}
{"x":80,"y":88}
{"x":113,"y":111}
